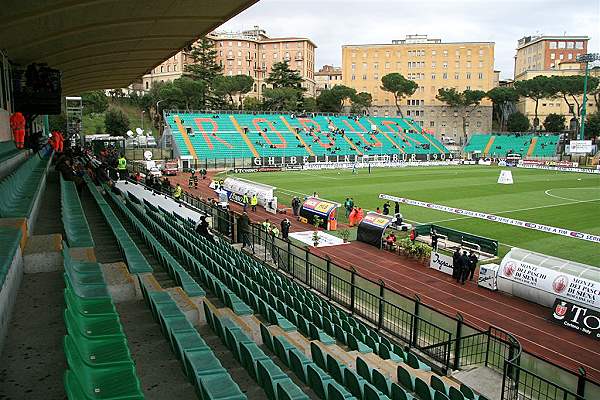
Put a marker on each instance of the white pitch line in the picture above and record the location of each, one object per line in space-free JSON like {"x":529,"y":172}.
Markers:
{"x":547,"y":193}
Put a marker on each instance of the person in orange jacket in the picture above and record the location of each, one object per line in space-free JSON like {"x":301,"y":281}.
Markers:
{"x":59,"y":142}
{"x":359,"y":215}
{"x":17,"y":124}
{"x":352,"y":217}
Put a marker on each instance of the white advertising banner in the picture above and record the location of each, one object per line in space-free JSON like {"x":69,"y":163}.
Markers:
{"x":238,"y":187}
{"x":441,"y":263}
{"x":494,"y":218}
{"x":488,"y":276}
{"x":561,"y":169}
{"x":580,"y":146}
{"x":556,"y":283}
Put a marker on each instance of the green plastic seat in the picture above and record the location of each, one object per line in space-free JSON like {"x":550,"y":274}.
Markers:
{"x":437,"y":384}
{"x":440,"y":396}
{"x":317,"y":356}
{"x":318,"y":380}
{"x":115,"y":382}
{"x":335,"y":369}
{"x":406,"y":379}
{"x":455,"y":394}
{"x":282,"y":347}
{"x":202,"y":362}
{"x":372,"y":393}
{"x":268,"y":376}
{"x":467,"y":391}
{"x":288,"y":390}
{"x":298,"y":363}
{"x":188,"y":340}
{"x":250,"y":354}
{"x":381,"y":382}
{"x":414,"y":362}
{"x":398,"y":393}
{"x":106,"y":327}
{"x":266,"y":337}
{"x":98,"y":353}
{"x":422,"y":389}
{"x":335,"y":391}
{"x":234,"y":337}
{"x":89,"y":307}
{"x":363,"y":369}
{"x":386,"y":354}
{"x":218,"y":387}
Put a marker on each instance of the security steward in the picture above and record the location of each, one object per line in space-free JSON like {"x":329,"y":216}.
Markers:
{"x":122,"y":167}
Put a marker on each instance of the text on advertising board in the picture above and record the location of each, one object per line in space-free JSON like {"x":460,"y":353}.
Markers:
{"x":561,"y":284}
{"x":573,"y":316}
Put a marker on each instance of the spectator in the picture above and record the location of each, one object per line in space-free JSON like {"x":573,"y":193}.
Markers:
{"x":464,"y":264}
{"x":266,"y":225}
{"x":254,"y":202}
{"x":434,"y":240}
{"x":386,"y":208}
{"x":296,"y":206}
{"x":378,"y":210}
{"x":177,"y":193}
{"x":352,"y":216}
{"x":472,"y":264}
{"x":245,"y":201}
{"x":390,"y":241}
{"x":244,"y":227}
{"x":359,"y":215}
{"x":203,"y":229}
{"x":285,"y":228}
{"x":456,"y":264}
{"x":347,"y":206}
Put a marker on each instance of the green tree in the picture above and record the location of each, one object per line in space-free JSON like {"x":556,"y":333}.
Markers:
{"x":57,"y":122}
{"x":233,"y":85}
{"x":204,"y":68}
{"x":536,"y":89}
{"x":570,"y":88}
{"x":116,"y":93}
{"x":503,"y":99}
{"x":252,"y":104}
{"x":517,"y":122}
{"x":361,"y":102}
{"x":399,"y":86}
{"x":554,"y":123}
{"x":309,"y":104}
{"x":282,"y":99}
{"x":116,"y":122}
{"x":465,"y":102}
{"x":282,"y":76}
{"x":332,"y":100}
{"x":592,"y":125}
{"x":94,"y":102}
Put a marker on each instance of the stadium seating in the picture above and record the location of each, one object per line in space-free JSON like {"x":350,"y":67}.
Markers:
{"x":495,"y":145}
{"x":223,"y":135}
{"x":19,"y":190}
{"x":97,"y":352}
{"x":7,"y":150}
{"x":75,"y":225}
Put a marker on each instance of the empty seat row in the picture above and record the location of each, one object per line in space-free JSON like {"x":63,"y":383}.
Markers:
{"x":10,"y":239}
{"x":174,"y":269}
{"x":202,"y":367}
{"x":98,"y":356}
{"x":136,"y":262}
{"x":19,"y":190}
{"x":7,"y":150}
{"x":75,"y":224}
{"x":275,"y":382}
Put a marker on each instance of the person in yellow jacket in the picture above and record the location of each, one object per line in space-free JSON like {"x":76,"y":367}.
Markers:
{"x":177,"y":193}
{"x":122,"y":167}
{"x":254,"y":202}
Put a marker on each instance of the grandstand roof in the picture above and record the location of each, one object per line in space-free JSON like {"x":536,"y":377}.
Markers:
{"x":106,"y":43}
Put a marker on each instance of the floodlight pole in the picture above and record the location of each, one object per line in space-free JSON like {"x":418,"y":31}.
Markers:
{"x":585,"y":58}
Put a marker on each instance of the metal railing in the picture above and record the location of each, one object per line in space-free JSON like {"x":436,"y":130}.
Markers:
{"x":446,"y":342}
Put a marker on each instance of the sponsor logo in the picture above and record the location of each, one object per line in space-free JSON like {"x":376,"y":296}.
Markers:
{"x":560,"y":284}
{"x":509,"y":269}
{"x":560,"y":310}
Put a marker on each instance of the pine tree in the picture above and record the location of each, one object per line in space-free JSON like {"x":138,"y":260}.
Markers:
{"x":282,"y":76}
{"x":204,"y":68}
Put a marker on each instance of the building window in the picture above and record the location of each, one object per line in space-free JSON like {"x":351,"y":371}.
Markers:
{"x":433,"y":77}
{"x":146,"y":84}
{"x":376,"y":66}
{"x":552,"y":56}
{"x":353,"y":77}
{"x":353,"y":55}
{"x":387,"y":64}
{"x":480,"y":52}
{"x":445,"y":65}
{"x":161,"y":68}
{"x":353,"y":66}
{"x":433,"y":64}
{"x":376,"y":77}
{"x":579,"y":45}
{"x":561,"y":45}
{"x":553,"y":45}
{"x":570,"y":45}
{"x":364,"y":77}
{"x":364,"y":65}
{"x":445,"y":53}
{"x":445,"y":75}
{"x":387,"y":54}
{"x":456,"y":76}
{"x":570,"y":56}
{"x":481,"y":75}
{"x":480,"y":64}
{"x":561,"y":56}
{"x":479,"y":124}
{"x":457,"y":65}
{"x":433,"y":52}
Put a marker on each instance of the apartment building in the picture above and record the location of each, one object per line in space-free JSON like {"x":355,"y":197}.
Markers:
{"x":251,"y":53}
{"x":542,"y":53}
{"x":327,"y":77}
{"x":433,"y":64}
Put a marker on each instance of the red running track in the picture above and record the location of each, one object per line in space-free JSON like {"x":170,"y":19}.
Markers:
{"x":479,"y":307}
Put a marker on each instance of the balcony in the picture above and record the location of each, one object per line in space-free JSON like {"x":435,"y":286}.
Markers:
{"x":299,"y":57}
{"x":230,"y":57}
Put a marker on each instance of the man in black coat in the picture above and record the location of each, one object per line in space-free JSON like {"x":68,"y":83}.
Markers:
{"x":464,"y":264}
{"x":456,"y":270}
{"x":285,"y":228}
{"x":244,"y":229}
{"x":472,"y":264}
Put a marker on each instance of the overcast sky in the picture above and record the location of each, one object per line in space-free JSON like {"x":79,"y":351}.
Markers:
{"x":333,"y":23}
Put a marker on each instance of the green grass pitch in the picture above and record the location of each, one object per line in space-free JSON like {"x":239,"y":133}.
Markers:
{"x":561,"y":199}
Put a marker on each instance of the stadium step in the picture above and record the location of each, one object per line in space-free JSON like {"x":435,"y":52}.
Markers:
{"x":48,"y":219}
{"x":32,"y":365}
{"x":107,"y":250}
{"x":157,"y":366}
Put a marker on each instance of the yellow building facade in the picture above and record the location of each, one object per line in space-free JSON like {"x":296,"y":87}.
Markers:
{"x":433,"y":65}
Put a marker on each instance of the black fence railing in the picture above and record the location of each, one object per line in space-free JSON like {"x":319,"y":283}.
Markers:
{"x":447,"y":342}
